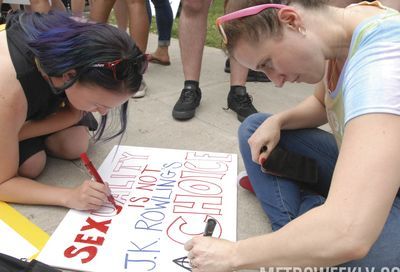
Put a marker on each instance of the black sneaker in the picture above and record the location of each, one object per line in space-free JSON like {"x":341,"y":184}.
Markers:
{"x":252,"y":76}
{"x":187,"y":103}
{"x":240,"y":102}
{"x":255,"y":76}
{"x":227,"y":68}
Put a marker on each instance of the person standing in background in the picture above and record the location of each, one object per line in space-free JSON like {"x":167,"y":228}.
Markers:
{"x":192,"y":33}
{"x":164,"y":21}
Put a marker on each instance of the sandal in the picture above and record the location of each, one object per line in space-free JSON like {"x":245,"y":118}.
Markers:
{"x":155,"y":60}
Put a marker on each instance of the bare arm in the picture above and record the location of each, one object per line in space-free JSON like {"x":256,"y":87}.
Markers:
{"x":64,"y":118}
{"x":13,"y":188}
{"x":351,"y":220}
{"x":88,"y":196}
{"x":308,"y":114}
{"x":342,"y":229}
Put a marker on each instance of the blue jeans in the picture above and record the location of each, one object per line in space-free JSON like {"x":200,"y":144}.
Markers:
{"x":164,"y":20}
{"x":283,"y":200}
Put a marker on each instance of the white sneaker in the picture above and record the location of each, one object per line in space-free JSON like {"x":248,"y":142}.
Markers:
{"x":142,"y":90}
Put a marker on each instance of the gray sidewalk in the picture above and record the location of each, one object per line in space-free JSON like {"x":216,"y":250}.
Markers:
{"x":151,"y":124}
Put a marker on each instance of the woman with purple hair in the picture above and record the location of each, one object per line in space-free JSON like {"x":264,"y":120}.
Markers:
{"x":56,"y":71}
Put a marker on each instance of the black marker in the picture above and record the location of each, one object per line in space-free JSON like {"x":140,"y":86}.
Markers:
{"x":208,"y":231}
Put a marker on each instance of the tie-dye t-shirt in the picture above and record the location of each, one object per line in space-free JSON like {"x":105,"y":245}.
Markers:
{"x":369,"y":81}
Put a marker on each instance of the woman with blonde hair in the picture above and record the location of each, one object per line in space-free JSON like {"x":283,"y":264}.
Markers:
{"x":351,"y":217}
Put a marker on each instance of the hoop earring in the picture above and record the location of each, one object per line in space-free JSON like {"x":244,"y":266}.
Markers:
{"x":302,"y":30}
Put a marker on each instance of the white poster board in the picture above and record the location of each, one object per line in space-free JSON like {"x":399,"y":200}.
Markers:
{"x":167,"y":196}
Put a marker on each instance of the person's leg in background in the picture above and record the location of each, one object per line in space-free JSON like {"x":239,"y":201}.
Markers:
{"x":238,"y":99}
{"x":43,"y":6}
{"x":138,"y":22}
{"x":192,"y":34}
{"x":77,"y":7}
{"x":164,"y":20}
{"x":139,"y":27}
{"x":121,"y":14}
{"x":100,"y":10}
{"x":58,"y":5}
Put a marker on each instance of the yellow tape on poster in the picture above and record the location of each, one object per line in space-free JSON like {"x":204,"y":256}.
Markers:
{"x":2,"y":27}
{"x":29,"y":231}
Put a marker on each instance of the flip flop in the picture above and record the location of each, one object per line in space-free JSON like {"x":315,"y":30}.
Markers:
{"x":155,"y":60}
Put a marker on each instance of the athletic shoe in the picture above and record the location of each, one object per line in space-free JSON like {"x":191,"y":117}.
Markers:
{"x":240,"y":102}
{"x":142,"y":90}
{"x":187,"y":103}
{"x":252,"y":76}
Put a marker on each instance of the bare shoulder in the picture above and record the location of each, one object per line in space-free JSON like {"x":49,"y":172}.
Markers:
{"x":13,"y":105}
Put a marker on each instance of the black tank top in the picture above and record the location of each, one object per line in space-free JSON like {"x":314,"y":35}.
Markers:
{"x":41,"y":100}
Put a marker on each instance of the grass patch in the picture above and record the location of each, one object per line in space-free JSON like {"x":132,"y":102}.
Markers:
{"x":213,"y":38}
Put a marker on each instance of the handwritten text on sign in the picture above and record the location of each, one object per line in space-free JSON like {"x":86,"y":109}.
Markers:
{"x":167,"y":196}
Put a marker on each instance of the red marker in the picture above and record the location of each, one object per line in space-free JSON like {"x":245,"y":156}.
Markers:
{"x":93,"y":172}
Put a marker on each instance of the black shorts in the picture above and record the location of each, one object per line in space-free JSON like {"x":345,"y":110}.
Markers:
{"x":29,"y":147}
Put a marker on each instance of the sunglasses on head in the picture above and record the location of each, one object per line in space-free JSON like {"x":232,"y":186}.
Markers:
{"x":241,"y":14}
{"x":121,"y":68}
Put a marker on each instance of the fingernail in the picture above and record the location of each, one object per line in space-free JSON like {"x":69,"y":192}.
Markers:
{"x":263,"y":160}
